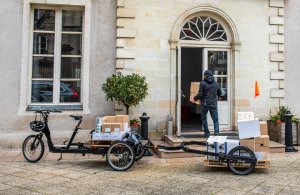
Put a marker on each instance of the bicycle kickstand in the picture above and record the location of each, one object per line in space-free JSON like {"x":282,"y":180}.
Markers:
{"x":60,"y":157}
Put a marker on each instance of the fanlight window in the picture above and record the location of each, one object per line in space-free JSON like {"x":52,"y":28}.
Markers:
{"x":202,"y":27}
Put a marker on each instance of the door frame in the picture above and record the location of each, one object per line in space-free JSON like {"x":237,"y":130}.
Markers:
{"x":178,"y":91}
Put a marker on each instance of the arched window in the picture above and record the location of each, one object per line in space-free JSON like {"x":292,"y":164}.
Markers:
{"x":203,"y":27}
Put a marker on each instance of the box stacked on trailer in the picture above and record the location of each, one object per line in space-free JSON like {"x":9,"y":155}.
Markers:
{"x":111,"y":127}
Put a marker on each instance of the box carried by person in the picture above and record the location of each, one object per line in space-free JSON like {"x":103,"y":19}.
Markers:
{"x":194,"y":91}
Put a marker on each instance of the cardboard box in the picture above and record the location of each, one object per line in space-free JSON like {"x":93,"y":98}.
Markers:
{"x":248,"y":129}
{"x":195,"y":87}
{"x":263,"y":128}
{"x":194,"y":91}
{"x":192,"y":95}
{"x":106,"y":128}
{"x":249,"y":143}
{"x":262,"y":140}
{"x":122,"y":119}
{"x":260,"y":148}
{"x":109,"y":119}
{"x":115,"y":127}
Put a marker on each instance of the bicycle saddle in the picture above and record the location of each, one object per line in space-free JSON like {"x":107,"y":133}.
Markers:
{"x":76,"y":117}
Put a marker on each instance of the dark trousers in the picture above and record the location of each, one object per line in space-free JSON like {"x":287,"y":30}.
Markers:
{"x":213,"y":110}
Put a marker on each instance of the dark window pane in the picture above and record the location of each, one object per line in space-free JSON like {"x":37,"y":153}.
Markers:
{"x":42,"y":67}
{"x":43,"y":43}
{"x":42,"y":91}
{"x":217,"y":62}
{"x":44,"y":19}
{"x":72,"y":21}
{"x":70,"y":68}
{"x":71,"y":44}
{"x":70,"y":91}
{"x":222,"y":81}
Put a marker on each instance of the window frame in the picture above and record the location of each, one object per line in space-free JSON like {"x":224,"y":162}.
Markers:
{"x":57,"y":59}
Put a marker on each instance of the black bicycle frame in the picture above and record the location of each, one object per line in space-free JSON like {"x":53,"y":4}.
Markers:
{"x":221,"y":156}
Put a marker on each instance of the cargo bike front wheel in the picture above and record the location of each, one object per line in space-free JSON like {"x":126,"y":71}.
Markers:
{"x":120,"y":156}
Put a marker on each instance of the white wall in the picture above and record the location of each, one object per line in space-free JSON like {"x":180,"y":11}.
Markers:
{"x":292,"y":57}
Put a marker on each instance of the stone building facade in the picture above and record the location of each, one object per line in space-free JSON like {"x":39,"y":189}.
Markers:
{"x":170,"y":42}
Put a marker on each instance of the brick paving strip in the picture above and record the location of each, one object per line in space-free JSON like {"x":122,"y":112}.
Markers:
{"x":77,"y":174}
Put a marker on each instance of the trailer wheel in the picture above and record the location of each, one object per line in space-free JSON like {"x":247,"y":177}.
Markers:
{"x":241,"y":160}
{"x":120,"y":156}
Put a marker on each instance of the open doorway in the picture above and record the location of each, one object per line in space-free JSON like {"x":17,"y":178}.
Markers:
{"x":191,"y":71}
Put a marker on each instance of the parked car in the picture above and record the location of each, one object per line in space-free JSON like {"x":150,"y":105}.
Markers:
{"x":42,"y":91}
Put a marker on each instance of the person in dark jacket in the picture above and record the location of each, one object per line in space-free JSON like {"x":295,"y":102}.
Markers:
{"x":208,"y":94}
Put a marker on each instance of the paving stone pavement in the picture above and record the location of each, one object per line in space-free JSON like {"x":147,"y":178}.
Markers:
{"x":90,"y":175}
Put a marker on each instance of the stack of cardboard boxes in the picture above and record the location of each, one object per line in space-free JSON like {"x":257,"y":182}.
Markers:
{"x":194,"y":91}
{"x":254,"y":135}
{"x":111,"y":127}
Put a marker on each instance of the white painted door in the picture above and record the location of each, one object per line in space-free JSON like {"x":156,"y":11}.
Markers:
{"x":218,"y":61}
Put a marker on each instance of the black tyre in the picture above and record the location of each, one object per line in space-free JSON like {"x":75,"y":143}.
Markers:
{"x":140,"y":153}
{"x":242,"y":160}
{"x":120,"y":156}
{"x":33,"y":148}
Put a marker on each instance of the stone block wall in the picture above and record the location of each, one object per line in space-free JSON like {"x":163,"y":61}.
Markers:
{"x":145,"y":29}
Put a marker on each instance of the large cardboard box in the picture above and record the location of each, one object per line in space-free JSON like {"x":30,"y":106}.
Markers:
{"x":116,"y":127}
{"x":248,"y":129}
{"x":109,"y":119}
{"x":194,"y":91}
{"x":122,"y":119}
{"x":106,"y":128}
{"x":261,"y":148}
{"x":249,"y":143}
{"x":262,"y":140}
{"x":263,"y":128}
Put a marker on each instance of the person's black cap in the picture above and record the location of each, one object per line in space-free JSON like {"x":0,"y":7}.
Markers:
{"x":208,"y":73}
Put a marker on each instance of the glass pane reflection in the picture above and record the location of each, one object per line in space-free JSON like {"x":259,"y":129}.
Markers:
{"x":71,"y":44}
{"x":72,"y":21}
{"x":222,"y":81}
{"x":42,"y":67}
{"x":70,"y":91}
{"x":217,"y":62}
{"x":42,"y":91}
{"x":70,"y":68}
{"x":44,"y":19}
{"x":43,"y":43}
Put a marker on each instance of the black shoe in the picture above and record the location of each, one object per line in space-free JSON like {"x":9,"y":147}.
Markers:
{"x":216,"y":134}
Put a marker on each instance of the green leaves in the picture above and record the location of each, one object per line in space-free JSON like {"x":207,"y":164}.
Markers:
{"x":280,"y":112}
{"x":128,"y":90}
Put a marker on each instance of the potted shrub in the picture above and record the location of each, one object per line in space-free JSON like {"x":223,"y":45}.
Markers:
{"x":135,"y":124}
{"x":128,"y":90}
{"x":276,"y":126}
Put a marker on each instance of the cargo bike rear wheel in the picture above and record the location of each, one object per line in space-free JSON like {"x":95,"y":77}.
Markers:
{"x":120,"y":156}
{"x":241,"y":160}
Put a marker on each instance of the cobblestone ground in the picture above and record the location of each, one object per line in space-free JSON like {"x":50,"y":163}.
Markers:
{"x":90,"y":175}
